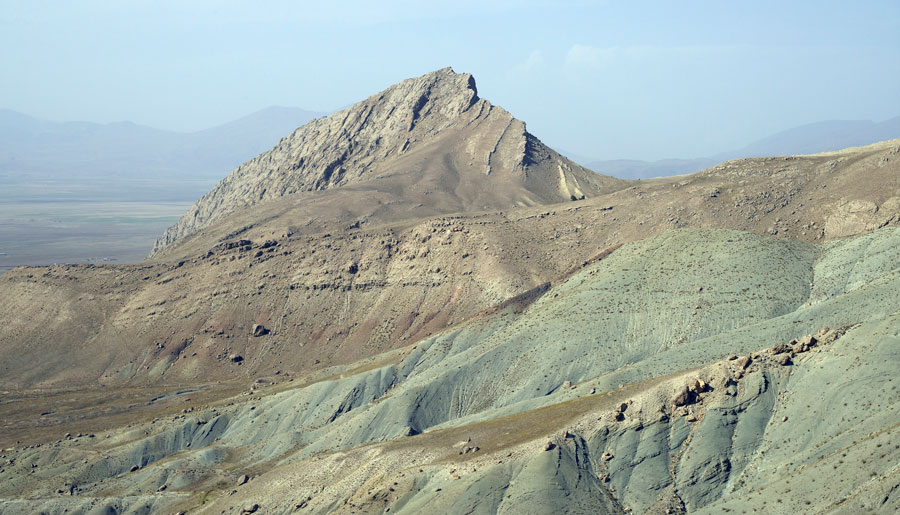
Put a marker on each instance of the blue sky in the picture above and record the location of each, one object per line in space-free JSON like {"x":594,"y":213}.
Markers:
{"x":605,"y":79}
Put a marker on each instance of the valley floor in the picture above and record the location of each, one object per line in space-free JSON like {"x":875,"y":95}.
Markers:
{"x":42,"y":232}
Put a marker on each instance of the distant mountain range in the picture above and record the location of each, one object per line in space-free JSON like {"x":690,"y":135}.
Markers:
{"x":811,"y":138}
{"x":62,"y":151}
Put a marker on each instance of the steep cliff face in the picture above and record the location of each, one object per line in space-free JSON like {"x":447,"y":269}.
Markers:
{"x":435,"y":127}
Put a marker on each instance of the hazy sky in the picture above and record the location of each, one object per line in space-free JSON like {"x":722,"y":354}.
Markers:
{"x":607,"y":79}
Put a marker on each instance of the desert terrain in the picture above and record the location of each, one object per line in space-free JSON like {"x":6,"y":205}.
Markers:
{"x":413,"y":305}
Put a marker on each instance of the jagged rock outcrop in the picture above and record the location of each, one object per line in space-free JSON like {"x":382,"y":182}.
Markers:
{"x":433,"y":128}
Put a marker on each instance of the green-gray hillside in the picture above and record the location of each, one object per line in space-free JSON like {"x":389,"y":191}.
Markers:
{"x":610,"y":391}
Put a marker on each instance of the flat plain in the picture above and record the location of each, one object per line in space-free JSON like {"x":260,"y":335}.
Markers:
{"x":47,"y":220}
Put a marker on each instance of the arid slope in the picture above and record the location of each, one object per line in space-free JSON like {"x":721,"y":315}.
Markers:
{"x":340,"y":295}
{"x":409,"y":306}
{"x":675,"y":374}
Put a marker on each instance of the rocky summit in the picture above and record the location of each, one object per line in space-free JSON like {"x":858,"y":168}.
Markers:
{"x":414,"y":306}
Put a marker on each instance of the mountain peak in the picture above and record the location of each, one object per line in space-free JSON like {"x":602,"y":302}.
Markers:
{"x":429,"y":135}
{"x":435,"y":99}
{"x":444,"y":87}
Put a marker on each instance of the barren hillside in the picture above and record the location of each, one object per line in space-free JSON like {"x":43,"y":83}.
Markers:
{"x":698,"y":371}
{"x":342,"y":293}
{"x":409,"y":307}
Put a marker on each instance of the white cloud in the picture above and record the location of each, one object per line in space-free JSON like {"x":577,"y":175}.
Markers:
{"x":584,"y":56}
{"x":534,"y":61}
